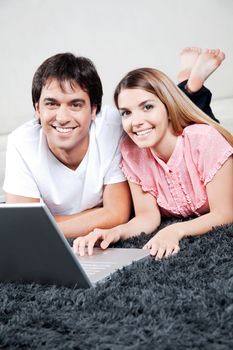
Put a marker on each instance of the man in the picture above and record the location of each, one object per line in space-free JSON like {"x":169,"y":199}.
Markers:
{"x":69,"y":155}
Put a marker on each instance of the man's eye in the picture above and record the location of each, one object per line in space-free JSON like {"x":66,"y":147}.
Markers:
{"x":148,"y":107}
{"x":50,"y":103}
{"x":77,"y":105}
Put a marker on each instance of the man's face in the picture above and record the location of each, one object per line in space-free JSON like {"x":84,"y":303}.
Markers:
{"x":65,"y":116}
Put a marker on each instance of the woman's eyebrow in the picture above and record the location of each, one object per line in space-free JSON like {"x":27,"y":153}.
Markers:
{"x":144,"y":102}
{"x":139,"y":105}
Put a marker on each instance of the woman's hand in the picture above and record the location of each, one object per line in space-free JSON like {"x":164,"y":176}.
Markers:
{"x":220,"y":198}
{"x":165,"y":242}
{"x":105,"y":237}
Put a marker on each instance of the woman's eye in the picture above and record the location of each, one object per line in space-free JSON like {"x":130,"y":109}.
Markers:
{"x":124,"y":114}
{"x":148,"y":107}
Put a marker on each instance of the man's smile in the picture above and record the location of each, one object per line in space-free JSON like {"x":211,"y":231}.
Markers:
{"x":63,"y":130}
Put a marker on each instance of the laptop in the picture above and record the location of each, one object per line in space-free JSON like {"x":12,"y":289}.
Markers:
{"x":33,"y":249}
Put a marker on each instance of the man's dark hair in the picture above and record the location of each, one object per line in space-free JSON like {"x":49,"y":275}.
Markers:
{"x":67,"y":67}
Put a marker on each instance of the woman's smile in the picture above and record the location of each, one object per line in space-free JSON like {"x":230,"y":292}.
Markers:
{"x":144,"y":132}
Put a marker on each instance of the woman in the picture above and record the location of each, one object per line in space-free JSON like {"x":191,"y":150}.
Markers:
{"x":177,"y":160}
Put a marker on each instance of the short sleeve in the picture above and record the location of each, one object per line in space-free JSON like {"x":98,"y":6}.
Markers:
{"x":18,"y":178}
{"x":108,"y":135}
{"x":128,"y":162}
{"x":213,"y":150}
{"x":114,"y":173}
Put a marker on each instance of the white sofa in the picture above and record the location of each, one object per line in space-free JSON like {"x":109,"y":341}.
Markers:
{"x":9,"y":125}
{"x":3,"y":140}
{"x":223,"y":109}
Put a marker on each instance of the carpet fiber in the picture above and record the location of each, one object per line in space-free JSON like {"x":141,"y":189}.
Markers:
{"x":184,"y":302}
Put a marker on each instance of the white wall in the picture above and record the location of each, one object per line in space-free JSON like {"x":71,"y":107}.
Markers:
{"x":117,"y":35}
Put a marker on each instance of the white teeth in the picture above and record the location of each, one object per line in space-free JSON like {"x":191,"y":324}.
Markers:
{"x":144,"y":132}
{"x":63,"y":130}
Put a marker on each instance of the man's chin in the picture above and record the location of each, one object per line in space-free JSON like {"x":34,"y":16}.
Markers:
{"x":58,"y":147}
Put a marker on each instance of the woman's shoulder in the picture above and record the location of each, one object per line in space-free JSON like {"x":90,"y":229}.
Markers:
{"x":199,"y":129}
{"x":201,"y":134}
{"x":132,"y":153}
{"x":203,"y":139}
{"x":128,"y":146}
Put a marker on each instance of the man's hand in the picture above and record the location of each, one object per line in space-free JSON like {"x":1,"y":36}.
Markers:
{"x":105,"y":237}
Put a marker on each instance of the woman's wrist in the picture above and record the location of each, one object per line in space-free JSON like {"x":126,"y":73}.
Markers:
{"x":121,"y":230}
{"x":180,"y":230}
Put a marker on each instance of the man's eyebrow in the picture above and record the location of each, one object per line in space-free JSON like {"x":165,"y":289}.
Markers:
{"x":51,"y":99}
{"x":77,"y":100}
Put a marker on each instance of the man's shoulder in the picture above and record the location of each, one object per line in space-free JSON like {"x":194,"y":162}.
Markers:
{"x":107,"y":125}
{"x":108,"y":115}
{"x":31,"y":127}
{"x":25,"y":133}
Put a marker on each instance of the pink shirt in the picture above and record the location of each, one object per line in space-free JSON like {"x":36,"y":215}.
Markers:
{"x":179,"y":185}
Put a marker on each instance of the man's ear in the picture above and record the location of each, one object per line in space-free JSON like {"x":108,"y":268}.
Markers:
{"x":93,"y":112}
{"x":37,"y":110}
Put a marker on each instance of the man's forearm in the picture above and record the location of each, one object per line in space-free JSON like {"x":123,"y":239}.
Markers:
{"x":77,"y":225}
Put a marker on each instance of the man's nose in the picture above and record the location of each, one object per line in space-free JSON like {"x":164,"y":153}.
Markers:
{"x":62,"y":115}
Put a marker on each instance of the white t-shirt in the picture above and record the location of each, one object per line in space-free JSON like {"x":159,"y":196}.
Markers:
{"x":33,"y":171}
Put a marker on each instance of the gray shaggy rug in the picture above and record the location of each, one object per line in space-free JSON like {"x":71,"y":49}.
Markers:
{"x":183,"y":302}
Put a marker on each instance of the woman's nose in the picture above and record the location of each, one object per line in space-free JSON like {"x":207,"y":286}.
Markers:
{"x":137,"y":119}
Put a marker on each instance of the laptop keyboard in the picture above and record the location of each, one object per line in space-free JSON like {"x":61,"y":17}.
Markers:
{"x":94,"y":268}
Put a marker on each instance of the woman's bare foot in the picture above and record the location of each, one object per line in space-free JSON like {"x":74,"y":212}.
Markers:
{"x":188,"y":57}
{"x":206,"y":63}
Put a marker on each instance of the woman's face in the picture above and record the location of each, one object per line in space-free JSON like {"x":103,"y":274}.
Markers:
{"x":144,"y":118}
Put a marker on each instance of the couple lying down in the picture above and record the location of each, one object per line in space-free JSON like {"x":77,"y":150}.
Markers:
{"x":176,"y":158}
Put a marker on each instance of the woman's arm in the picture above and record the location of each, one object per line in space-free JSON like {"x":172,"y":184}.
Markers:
{"x":220,"y":197}
{"x":147,"y":219}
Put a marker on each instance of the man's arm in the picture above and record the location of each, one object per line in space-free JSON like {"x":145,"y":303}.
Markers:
{"x":13,"y":198}
{"x":116,"y":210}
{"x":147,"y":219}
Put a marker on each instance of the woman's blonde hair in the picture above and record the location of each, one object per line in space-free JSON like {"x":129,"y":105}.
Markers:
{"x":182,"y":112}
